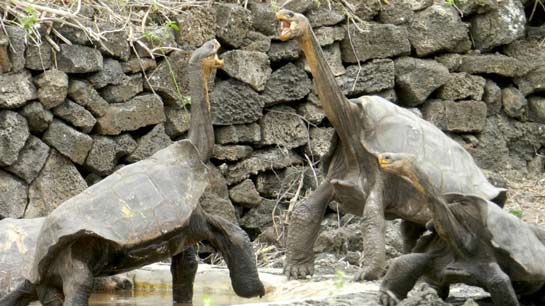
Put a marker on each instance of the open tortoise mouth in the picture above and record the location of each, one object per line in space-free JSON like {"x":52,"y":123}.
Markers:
{"x":285,"y":27}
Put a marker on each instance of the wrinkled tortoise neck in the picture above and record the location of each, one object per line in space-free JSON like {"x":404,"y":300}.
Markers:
{"x":201,"y":131}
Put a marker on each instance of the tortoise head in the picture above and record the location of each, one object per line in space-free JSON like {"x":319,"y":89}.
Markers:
{"x":292,"y":25}
{"x":207,"y":55}
{"x":403,"y":165}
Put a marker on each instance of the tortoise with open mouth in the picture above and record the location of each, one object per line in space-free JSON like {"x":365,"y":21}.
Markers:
{"x":143,"y":213}
{"x":365,"y":127}
{"x":473,"y":241}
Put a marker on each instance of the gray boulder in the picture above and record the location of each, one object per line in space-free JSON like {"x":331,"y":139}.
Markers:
{"x":129,"y":87}
{"x":231,"y":152}
{"x":462,"y":86}
{"x":76,"y":115}
{"x":261,"y":216}
{"x":261,"y":160}
{"x":453,"y":61}
{"x":245,"y":194}
{"x":250,"y":67}
{"x":111,"y":74}
{"x":16,"y":90}
{"x":377,"y":41}
{"x":13,"y":196}
{"x":536,"y":109}
{"x":5,"y":63}
{"x":233,"y":102}
{"x":78,"y":59}
{"x":492,"y":97}
{"x":140,"y":111}
{"x":494,"y":64}
{"x":284,"y":51}
{"x":159,"y":40}
{"x":319,"y":142}
{"x":52,"y":87}
{"x":325,"y":16}
{"x":177,"y":121}
{"x":515,"y":104}
{"x":476,"y":7}
{"x":106,"y":151}
{"x":68,"y":141}
{"x":233,"y":22}
{"x":115,"y":42}
{"x":256,"y":41}
{"x":374,"y":76}
{"x":499,"y":27}
{"x":162,"y":80}
{"x":85,"y":95}
{"x":283,"y":184}
{"x":328,"y":35}
{"x":460,"y":116}
{"x":529,"y":51}
{"x":153,"y":141}
{"x":438,"y":28}
{"x":38,"y":118}
{"x":332,"y":55}
{"x":281,"y":126}
{"x":310,"y":112}
{"x":38,"y":57}
{"x":288,"y":83}
{"x":31,"y":159}
{"x":249,"y":133}
{"x":263,"y":18}
{"x":532,"y":82}
{"x":416,"y":79}
{"x":396,"y":12}
{"x":135,"y":65}
{"x":17,"y":47}
{"x":13,"y":136}
{"x":202,"y":22}
{"x":58,"y":181}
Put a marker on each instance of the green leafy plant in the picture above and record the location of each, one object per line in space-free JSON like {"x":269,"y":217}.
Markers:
{"x":29,"y":20}
{"x":172,"y":24}
{"x":516,"y":212}
{"x":274,"y":6}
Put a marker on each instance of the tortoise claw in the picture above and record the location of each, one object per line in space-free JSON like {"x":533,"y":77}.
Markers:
{"x":387,"y":298}
{"x":298,"y":271}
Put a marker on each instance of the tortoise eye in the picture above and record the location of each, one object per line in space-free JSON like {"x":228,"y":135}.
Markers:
{"x":290,"y":14}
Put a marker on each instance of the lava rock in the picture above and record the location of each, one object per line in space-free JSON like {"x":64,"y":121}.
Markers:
{"x":147,"y":145}
{"x":76,"y":115}
{"x":13,"y":136}
{"x":233,"y":102}
{"x":85,"y":95}
{"x":17,"y":47}
{"x":462,"y":86}
{"x":58,"y":181}
{"x":532,"y":82}
{"x":201,"y":20}
{"x":233,"y":22}
{"x":161,"y":79}
{"x":38,"y":57}
{"x":319,"y":142}
{"x":284,"y":51}
{"x":245,"y":194}
{"x":396,"y":12}
{"x":500,"y":26}
{"x":250,"y":133}
{"x":536,"y":109}
{"x":111,"y":74}
{"x":16,"y":90}
{"x":140,"y":111}
{"x":231,"y":152}
{"x":106,"y":151}
{"x":289,"y":83}
{"x":416,"y":79}
{"x":460,"y":116}
{"x":281,"y":126}
{"x":311,"y":112}
{"x":374,"y":76}
{"x":177,"y":121}
{"x":135,"y":64}
{"x":31,"y":159}
{"x":515,"y":104}
{"x":328,"y":35}
{"x":250,"y":67}
{"x":332,"y":55}
{"x":492,"y":97}
{"x":78,"y":59}
{"x":38,"y":118}
{"x":378,"y":41}
{"x":71,"y":143}
{"x":493,"y":64}
{"x":129,"y":87}
{"x":438,"y":28}
{"x":13,"y":196}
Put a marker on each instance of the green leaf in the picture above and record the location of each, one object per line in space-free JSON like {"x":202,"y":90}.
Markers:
{"x":516,"y":212}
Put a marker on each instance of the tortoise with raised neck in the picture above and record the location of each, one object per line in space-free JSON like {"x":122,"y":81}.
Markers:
{"x":472,"y":241}
{"x":364,"y":127}
{"x":143,"y":213}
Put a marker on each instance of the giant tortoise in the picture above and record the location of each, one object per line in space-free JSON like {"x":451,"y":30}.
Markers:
{"x":142,"y":213}
{"x":473,"y":241}
{"x":364,"y":127}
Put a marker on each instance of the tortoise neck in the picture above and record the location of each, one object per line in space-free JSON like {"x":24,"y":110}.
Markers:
{"x":201,"y":131}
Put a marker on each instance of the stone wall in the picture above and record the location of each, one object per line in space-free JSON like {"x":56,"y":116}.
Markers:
{"x":72,"y":116}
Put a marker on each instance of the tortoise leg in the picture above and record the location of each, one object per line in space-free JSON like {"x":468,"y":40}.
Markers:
{"x":24,"y":294}
{"x":77,"y":283}
{"x":49,"y":295}
{"x":303,"y":230}
{"x":374,"y":248}
{"x":497,"y":283}
{"x":402,"y":276}
{"x":183,"y":268}
{"x":410,"y":232}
